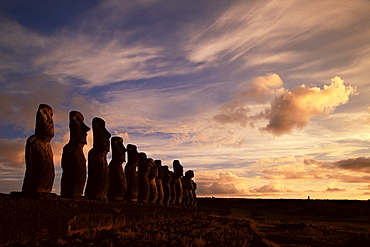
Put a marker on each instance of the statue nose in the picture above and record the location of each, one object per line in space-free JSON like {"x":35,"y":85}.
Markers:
{"x":85,"y":127}
{"x":107,"y":134}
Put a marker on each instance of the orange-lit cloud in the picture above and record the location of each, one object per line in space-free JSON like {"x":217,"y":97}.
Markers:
{"x":293,"y":171}
{"x":272,"y":188}
{"x":329,"y":189}
{"x":216,"y":188}
{"x":360,"y":164}
{"x":260,"y":90}
{"x":289,"y":110}
{"x":295,"y":108}
{"x":12,"y":153}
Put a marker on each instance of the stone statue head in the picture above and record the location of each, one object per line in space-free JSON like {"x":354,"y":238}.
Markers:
{"x":178,"y":170}
{"x":44,"y":121}
{"x":189,"y":174}
{"x":131,"y":148}
{"x":100,"y":134}
{"x":78,"y":129}
{"x":153,"y":168}
{"x":118,"y":150}
{"x":144,"y":164}
{"x":158,"y":163}
{"x":165,"y":173}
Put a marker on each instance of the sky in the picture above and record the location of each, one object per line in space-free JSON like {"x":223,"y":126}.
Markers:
{"x":261,"y":98}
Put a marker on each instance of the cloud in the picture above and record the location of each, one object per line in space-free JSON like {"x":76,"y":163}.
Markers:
{"x":271,"y":188}
{"x":250,"y":27}
{"x":98,"y":48}
{"x":259,"y":90}
{"x":352,"y":170}
{"x":19,"y":46}
{"x":358,"y":164}
{"x":329,"y":189}
{"x":367,"y":187}
{"x":286,"y":159}
{"x":226,"y":183}
{"x":293,"y":171}
{"x":12,"y":153}
{"x":355,"y":164}
{"x":20,"y":99}
{"x":295,"y":108}
{"x":217,"y":188}
{"x":289,"y":110}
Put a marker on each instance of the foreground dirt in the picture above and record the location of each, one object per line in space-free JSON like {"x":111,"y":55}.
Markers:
{"x":213,"y":231}
{"x":302,"y":222}
{"x":233,"y":222}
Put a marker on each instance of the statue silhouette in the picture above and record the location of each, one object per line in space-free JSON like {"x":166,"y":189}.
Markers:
{"x":178,"y":172}
{"x":39,"y":175}
{"x":172,"y":188}
{"x":194,"y":196}
{"x":131,"y":174}
{"x":117,"y":178}
{"x":153,"y":174}
{"x":158,"y":181}
{"x":98,"y":171}
{"x":187,"y":187}
{"x":143,"y":177}
{"x":166,"y":183}
{"x":73,"y":158}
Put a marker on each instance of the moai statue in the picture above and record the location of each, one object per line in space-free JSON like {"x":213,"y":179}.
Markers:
{"x":187,"y":184}
{"x":143,"y":177}
{"x":178,"y":172}
{"x":186,"y":188}
{"x":117,"y":178}
{"x":153,"y":174}
{"x":98,"y":171}
{"x":73,"y":158}
{"x":158,"y":181}
{"x":194,"y":188}
{"x":166,"y":183}
{"x":173,"y":189}
{"x":131,"y":174}
{"x":39,"y":175}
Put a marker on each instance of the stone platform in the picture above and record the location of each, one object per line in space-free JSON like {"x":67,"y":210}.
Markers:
{"x":24,"y":219}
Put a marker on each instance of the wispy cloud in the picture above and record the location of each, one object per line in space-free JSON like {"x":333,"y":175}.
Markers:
{"x":247,"y":27}
{"x":20,"y":99}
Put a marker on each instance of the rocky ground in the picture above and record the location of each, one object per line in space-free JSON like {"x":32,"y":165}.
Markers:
{"x":212,"y":231}
{"x":228,"y":222}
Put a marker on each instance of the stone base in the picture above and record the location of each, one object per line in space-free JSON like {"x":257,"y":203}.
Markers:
{"x":36,"y":195}
{"x":116,"y":199}
{"x":20,"y":223}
